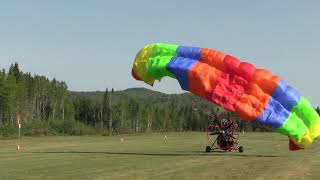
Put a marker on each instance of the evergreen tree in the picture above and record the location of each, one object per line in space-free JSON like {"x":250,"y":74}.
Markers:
{"x":105,"y":110}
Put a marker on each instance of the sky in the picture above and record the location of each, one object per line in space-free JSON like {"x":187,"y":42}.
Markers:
{"x":92,"y":44}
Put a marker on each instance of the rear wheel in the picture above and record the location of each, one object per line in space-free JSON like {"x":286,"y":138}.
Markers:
{"x":241,"y":149}
{"x":208,"y":149}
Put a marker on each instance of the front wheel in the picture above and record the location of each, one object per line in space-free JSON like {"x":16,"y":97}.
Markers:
{"x":241,"y":149}
{"x":208,"y":149}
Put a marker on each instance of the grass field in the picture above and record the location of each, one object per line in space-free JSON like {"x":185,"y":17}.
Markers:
{"x":151,"y":156}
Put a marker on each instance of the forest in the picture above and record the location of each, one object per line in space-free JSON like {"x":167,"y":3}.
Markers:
{"x":47,"y":107}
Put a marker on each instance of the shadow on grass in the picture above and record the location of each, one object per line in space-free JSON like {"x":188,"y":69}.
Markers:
{"x":192,"y":153}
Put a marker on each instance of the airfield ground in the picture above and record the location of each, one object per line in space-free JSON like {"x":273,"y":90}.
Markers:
{"x":151,"y":156}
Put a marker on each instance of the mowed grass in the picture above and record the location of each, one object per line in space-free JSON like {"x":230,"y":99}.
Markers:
{"x":151,"y":156}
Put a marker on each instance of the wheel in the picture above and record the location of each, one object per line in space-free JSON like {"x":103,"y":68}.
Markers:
{"x":208,"y":149}
{"x":241,"y":149}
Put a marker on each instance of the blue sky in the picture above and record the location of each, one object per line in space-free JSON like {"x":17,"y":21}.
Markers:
{"x":91,"y":44}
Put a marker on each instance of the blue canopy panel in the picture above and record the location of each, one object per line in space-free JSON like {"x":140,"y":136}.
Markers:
{"x":180,"y":67}
{"x":274,"y":115}
{"x":283,"y":99}
{"x":286,"y":95}
{"x":189,"y":52}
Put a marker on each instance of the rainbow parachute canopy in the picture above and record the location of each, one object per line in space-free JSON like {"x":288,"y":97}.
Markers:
{"x":254,"y":94}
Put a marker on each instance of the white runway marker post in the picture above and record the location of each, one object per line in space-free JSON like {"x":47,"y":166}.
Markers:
{"x":19,"y":131}
{"x":18,"y":119}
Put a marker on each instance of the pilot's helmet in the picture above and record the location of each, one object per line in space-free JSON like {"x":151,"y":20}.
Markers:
{"x":225,"y":122}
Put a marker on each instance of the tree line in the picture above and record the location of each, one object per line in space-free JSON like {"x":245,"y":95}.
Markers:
{"x":33,"y":97}
{"x":47,"y":107}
